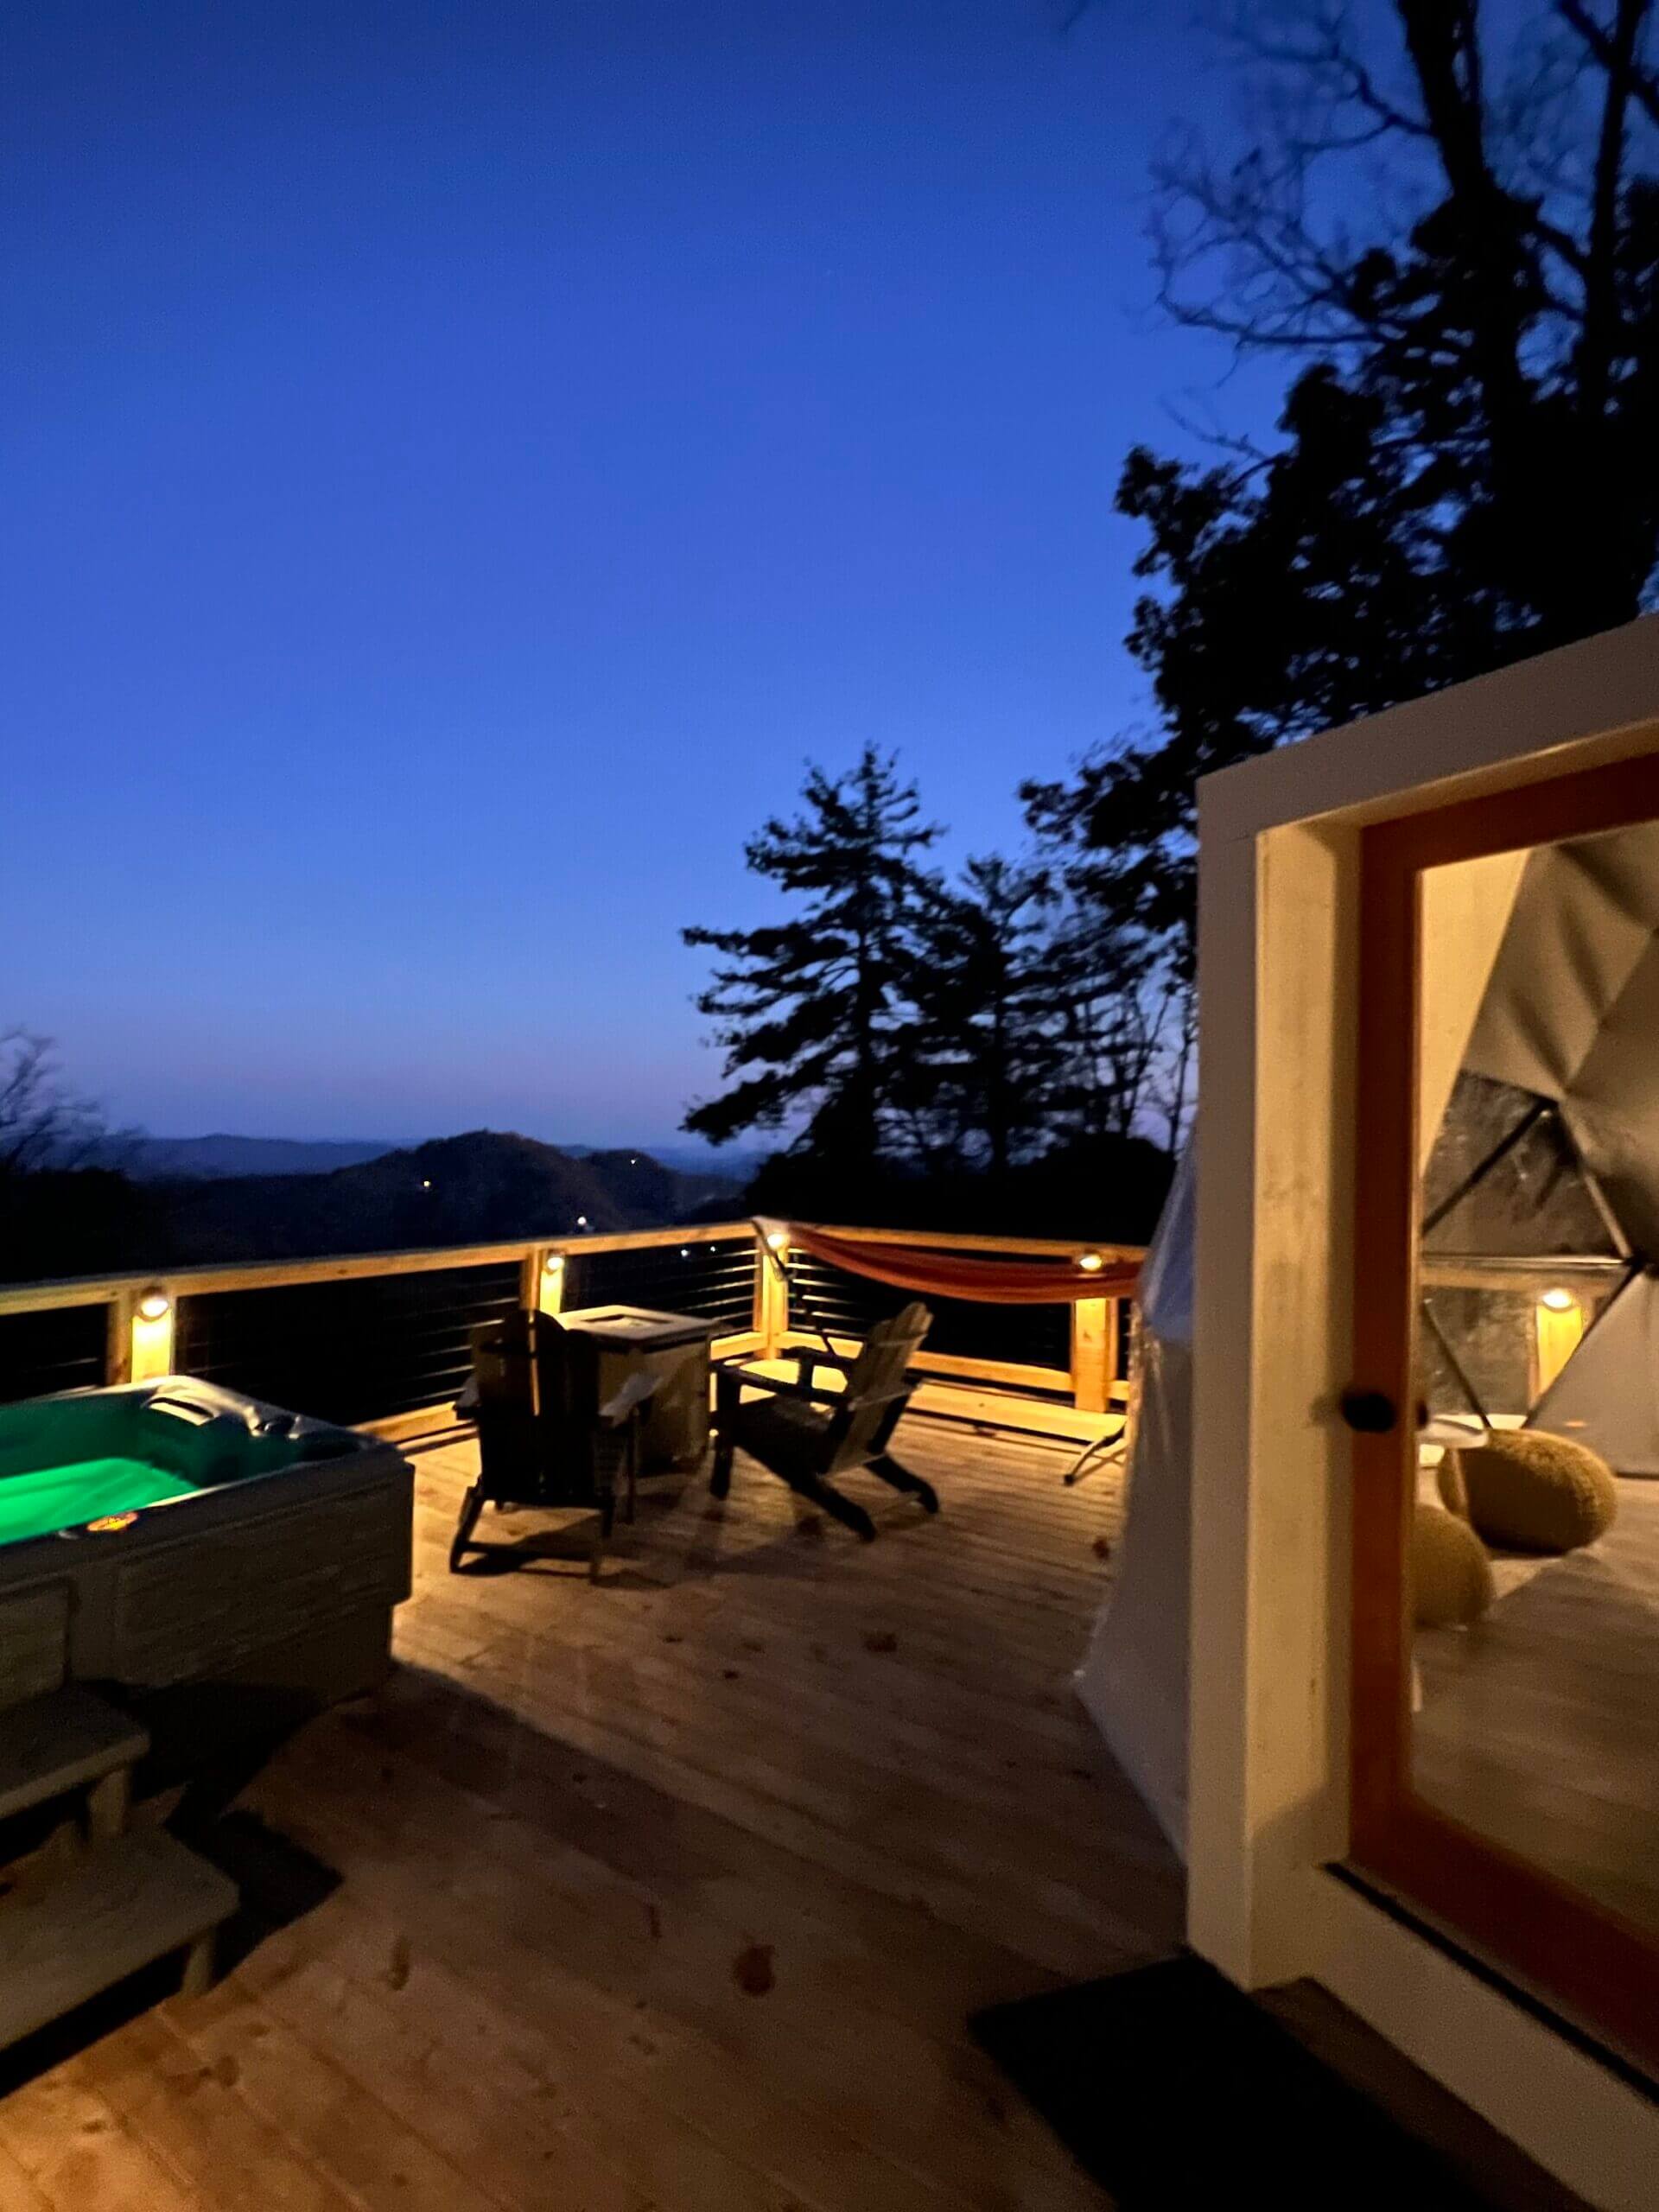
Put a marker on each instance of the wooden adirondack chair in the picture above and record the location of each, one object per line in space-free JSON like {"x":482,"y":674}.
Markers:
{"x":543,"y":1438}
{"x":806,"y":1435}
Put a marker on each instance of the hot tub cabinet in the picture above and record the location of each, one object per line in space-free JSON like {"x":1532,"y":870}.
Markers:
{"x":223,"y":1566}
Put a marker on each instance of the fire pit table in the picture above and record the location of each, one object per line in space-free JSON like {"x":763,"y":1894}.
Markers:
{"x":672,"y":1346}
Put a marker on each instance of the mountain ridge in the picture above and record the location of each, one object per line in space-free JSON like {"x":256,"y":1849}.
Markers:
{"x":219,"y":1152}
{"x":484,"y":1186}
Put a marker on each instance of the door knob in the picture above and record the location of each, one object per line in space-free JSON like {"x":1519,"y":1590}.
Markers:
{"x":1369,"y":1413}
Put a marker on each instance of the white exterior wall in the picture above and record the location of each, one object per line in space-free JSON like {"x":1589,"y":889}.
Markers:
{"x":1267,"y":1780}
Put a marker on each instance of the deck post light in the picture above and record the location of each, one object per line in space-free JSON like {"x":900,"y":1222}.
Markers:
{"x":151,"y":1335}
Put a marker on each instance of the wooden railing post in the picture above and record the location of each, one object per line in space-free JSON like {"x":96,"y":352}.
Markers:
{"x":540,"y":1282}
{"x":149,"y":1333}
{"x":770,"y":1298}
{"x":1094,"y":1329}
{"x":118,"y":1339}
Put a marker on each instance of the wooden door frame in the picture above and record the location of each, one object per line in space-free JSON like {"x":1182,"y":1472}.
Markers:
{"x":1601,"y":1968}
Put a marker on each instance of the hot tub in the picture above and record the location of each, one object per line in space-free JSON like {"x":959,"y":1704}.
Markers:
{"x":222,"y":1565}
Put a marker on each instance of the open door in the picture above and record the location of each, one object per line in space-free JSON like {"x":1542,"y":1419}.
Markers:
{"x":1505,"y":1748}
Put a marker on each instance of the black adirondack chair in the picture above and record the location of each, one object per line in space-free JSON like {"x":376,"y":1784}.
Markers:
{"x":806,"y":1436}
{"x":544,"y":1436}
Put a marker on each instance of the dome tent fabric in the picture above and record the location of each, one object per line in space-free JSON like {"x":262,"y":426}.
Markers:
{"x":1571,"y":1012}
{"x":1571,"y":1016}
{"x":1133,"y":1678}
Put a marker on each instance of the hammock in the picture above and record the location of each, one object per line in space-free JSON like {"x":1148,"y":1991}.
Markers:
{"x":984,"y":1281}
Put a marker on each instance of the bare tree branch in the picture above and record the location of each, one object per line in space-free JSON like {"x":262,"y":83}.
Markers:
{"x":1601,"y":274}
{"x":42,"y":1123}
{"x":1605,"y":46}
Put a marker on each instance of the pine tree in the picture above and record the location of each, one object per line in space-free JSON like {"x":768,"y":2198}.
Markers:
{"x":988,"y":1058}
{"x":812,"y":1010}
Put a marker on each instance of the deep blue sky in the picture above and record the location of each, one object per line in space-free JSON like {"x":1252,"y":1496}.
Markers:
{"x":460,"y":461}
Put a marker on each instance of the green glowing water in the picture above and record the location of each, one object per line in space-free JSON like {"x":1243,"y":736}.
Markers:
{"x":48,"y":1498}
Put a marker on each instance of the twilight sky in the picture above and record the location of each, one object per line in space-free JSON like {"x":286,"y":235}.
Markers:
{"x":461,"y":460}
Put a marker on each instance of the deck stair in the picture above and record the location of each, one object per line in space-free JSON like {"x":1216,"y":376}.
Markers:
{"x":70,"y":1740}
{"x":123,"y":1899}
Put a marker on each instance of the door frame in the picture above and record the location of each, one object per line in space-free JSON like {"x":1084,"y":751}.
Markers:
{"x":1548,"y":1936}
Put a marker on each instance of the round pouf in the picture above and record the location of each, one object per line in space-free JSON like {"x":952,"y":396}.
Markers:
{"x":1531,"y":1492}
{"x":1451,"y":1575}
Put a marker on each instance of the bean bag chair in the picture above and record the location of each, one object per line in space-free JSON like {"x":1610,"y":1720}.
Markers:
{"x":1451,"y":1575}
{"x":1529,"y":1491}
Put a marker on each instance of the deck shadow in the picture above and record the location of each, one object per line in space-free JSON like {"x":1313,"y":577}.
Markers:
{"x":1170,"y":2086}
{"x":554,"y":1553}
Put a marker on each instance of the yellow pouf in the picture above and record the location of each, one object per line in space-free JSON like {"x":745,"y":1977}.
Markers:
{"x":1530,"y":1492}
{"x":1451,"y":1575}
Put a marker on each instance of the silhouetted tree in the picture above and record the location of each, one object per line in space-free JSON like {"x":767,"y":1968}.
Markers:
{"x":65,"y":1208}
{"x":1467,"y":468}
{"x":1116,"y":992}
{"x":812,"y":1010}
{"x":987,"y":1054}
{"x":42,"y":1123}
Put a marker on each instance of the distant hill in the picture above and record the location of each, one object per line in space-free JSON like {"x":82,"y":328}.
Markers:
{"x":733,"y":1163}
{"x":730,"y":1163}
{"x":150,"y":1160}
{"x":153,"y":1160}
{"x":482,"y":1188}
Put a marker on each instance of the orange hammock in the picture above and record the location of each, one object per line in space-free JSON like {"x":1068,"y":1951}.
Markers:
{"x":985,"y":1282}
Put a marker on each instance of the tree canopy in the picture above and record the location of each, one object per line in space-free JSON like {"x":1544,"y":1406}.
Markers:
{"x":809,"y":1009}
{"x":1447,"y":223}
{"x":897,"y":1024}
{"x":982,"y":1075}
{"x":1444,"y":219}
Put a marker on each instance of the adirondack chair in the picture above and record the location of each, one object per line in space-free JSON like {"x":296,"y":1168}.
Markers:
{"x":543,"y":1437}
{"x":806,"y":1436}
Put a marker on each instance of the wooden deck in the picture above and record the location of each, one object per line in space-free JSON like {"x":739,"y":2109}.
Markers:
{"x":672,"y":1893}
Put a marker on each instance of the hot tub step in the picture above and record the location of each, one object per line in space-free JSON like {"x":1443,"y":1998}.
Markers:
{"x":68,"y":1739}
{"x":127,"y":1904}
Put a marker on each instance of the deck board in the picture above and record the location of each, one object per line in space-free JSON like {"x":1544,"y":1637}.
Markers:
{"x":857,"y":1769}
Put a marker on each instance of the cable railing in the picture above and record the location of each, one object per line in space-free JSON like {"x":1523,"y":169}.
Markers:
{"x":380,"y":1340}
